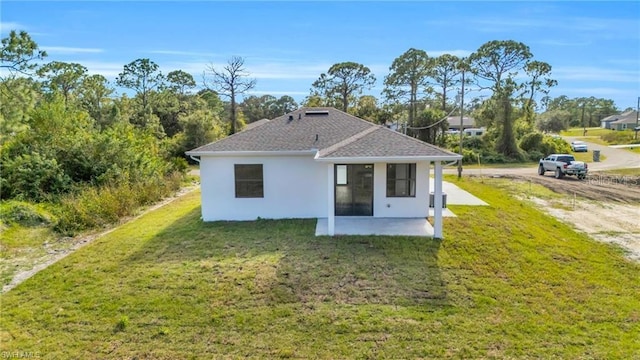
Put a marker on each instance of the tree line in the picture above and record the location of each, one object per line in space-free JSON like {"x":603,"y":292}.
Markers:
{"x":63,"y":129}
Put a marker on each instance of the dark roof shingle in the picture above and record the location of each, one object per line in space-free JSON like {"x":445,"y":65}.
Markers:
{"x":333,"y":133}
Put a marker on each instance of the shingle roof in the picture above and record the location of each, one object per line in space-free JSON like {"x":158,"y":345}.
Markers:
{"x":383,"y":142}
{"x":335,"y":134}
{"x":255,"y":124}
{"x":629,"y":117}
{"x":454,"y":121}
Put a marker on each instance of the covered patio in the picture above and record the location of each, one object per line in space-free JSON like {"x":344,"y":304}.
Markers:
{"x":408,"y":226}
{"x":367,"y":225}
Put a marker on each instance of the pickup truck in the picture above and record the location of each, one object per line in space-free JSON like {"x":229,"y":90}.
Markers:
{"x":563,"y":164}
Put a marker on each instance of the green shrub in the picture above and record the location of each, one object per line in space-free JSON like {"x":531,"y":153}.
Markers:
{"x":25,"y":214}
{"x":34,"y":177}
{"x":93,"y":207}
{"x":535,"y":155}
{"x":473,"y":142}
{"x":122,"y":324}
{"x":618,"y":137}
{"x":494,"y":158}
{"x":469,"y":156}
{"x":554,"y":145}
{"x":531,"y":141}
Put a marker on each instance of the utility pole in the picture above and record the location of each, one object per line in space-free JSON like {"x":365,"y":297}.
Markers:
{"x":461,"y":125}
{"x":637,"y":117}
{"x":584,"y":131}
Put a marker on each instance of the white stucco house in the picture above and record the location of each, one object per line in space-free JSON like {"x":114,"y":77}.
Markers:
{"x":320,"y":163}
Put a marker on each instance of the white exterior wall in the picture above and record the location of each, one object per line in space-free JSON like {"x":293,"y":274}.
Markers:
{"x":417,"y":206}
{"x":294,"y":187}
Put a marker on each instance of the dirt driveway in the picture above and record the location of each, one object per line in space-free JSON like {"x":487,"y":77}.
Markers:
{"x":606,"y":207}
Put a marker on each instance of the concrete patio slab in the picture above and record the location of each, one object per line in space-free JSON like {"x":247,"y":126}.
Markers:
{"x":366,"y":225}
{"x":457,"y":196}
{"x":445,"y":213}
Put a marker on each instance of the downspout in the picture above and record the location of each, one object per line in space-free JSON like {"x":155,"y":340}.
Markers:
{"x":194,"y":159}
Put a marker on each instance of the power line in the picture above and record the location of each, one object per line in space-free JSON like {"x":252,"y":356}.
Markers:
{"x":434,"y":124}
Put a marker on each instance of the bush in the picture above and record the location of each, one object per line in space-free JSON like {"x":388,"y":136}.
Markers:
{"x":618,"y":137}
{"x":34,"y":177}
{"x":531,"y":142}
{"x":473,"y":142}
{"x":494,"y":158}
{"x":553,"y":145}
{"x":469,"y":156}
{"x":25,"y":214}
{"x":535,"y":155}
{"x":94,"y":207}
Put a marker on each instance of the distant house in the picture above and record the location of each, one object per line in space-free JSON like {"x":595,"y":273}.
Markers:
{"x":606,"y":122}
{"x":454,"y":123}
{"x":320,"y":163}
{"x":623,"y":121}
{"x":627,"y":120}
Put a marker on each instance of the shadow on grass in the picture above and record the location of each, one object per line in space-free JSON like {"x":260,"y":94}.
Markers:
{"x":282,"y":261}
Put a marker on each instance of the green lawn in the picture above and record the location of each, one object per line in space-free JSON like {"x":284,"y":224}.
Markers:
{"x":592,"y":131}
{"x":587,"y":156}
{"x":632,"y":171}
{"x":507,"y":282}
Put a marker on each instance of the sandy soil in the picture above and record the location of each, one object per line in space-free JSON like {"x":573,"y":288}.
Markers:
{"x":608,"y":209}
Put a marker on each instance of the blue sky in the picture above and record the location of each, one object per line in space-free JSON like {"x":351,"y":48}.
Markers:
{"x":594,"y":47}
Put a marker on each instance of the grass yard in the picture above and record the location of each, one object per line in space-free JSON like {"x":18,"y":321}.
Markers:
{"x":587,"y":156}
{"x":591,"y":131}
{"x":621,"y":172}
{"x":507,"y":282}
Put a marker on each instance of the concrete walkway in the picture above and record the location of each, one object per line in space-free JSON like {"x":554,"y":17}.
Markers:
{"x":457,"y":196}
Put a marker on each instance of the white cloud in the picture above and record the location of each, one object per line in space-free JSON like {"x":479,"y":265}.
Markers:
{"x":278,"y":92}
{"x":275,"y":70}
{"x":458,"y":53}
{"x":6,"y":26}
{"x":70,"y":50}
{"x":561,"y":43}
{"x":591,"y":73}
{"x":182,"y":53}
{"x":107,"y":69}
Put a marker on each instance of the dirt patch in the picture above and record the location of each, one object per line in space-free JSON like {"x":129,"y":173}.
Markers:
{"x":619,"y":189}
{"x":607,"y":208}
{"x":607,"y":222}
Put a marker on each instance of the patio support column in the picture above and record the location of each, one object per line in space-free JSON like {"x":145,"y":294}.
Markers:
{"x":331,"y":214}
{"x":437,"y":206}
{"x":428,"y":187}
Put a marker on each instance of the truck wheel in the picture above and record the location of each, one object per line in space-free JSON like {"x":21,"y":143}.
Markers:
{"x":582,"y":177}
{"x":540,"y":170}
{"x":558,"y":173}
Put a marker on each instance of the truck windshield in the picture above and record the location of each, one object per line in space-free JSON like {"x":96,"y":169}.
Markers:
{"x":566,"y":159}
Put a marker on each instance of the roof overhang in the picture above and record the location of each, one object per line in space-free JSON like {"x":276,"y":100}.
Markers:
{"x":388,"y":159}
{"x":251,"y":153}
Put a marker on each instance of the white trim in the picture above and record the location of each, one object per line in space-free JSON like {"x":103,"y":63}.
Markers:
{"x":331,"y":206}
{"x":437,"y":206}
{"x":252,"y":153}
{"x":389,"y":159}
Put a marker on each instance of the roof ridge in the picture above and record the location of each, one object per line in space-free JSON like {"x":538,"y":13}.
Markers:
{"x":328,"y":150}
